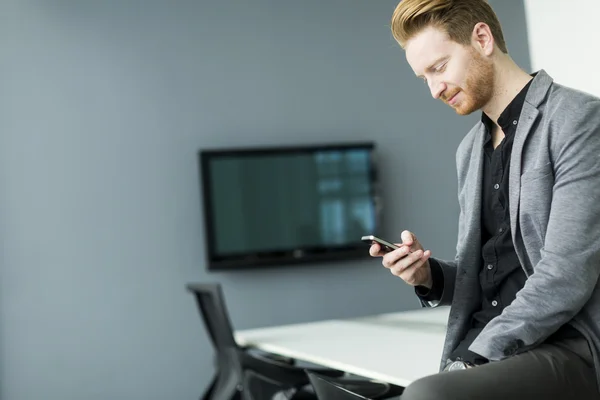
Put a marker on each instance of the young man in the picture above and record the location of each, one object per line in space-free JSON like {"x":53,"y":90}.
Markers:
{"x":525,"y":315}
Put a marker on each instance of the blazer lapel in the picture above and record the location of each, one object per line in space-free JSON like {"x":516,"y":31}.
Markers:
{"x":535,"y":97}
{"x":526,"y":120}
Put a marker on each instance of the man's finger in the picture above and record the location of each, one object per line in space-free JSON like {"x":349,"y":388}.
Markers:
{"x":403,"y":262}
{"x":397,"y":255}
{"x":419,"y":262}
{"x":375,"y":250}
{"x":403,"y":270}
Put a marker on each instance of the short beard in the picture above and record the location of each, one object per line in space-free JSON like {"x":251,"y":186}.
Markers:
{"x":479,"y":87}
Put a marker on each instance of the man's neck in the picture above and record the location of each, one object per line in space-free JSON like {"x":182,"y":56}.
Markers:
{"x":510,"y":80}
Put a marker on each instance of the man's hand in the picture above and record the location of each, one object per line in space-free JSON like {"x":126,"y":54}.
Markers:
{"x":409,"y":262}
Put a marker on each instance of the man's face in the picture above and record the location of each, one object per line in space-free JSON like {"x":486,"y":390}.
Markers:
{"x":456,"y":74}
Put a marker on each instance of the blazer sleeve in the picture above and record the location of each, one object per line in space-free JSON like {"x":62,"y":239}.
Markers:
{"x":567,"y":272}
{"x":442,"y":291}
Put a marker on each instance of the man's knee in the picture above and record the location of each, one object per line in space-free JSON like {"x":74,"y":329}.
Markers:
{"x":431,"y":387}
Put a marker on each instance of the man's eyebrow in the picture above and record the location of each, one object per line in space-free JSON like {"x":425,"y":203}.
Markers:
{"x":433,"y":64}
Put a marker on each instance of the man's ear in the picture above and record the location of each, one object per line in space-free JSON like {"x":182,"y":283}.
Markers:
{"x":482,"y":38}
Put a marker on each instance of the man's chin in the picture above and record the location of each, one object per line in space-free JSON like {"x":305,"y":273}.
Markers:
{"x":466,"y":110}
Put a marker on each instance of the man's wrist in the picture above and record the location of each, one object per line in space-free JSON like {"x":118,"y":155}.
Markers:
{"x":432,"y":290}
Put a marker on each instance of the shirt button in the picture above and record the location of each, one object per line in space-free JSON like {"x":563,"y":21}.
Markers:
{"x":496,"y":186}
{"x":490,"y":266}
{"x":494,"y":303}
{"x":515,"y":122}
{"x":501,"y":230}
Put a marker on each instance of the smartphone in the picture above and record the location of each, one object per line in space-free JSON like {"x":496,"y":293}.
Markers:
{"x":385,"y":245}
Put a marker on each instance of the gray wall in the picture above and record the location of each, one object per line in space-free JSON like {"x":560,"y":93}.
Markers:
{"x":103,"y":106}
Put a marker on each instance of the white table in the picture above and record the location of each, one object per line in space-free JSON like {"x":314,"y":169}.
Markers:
{"x":397,"y":348}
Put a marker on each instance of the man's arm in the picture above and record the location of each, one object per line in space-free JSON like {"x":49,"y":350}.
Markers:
{"x":567,"y":273}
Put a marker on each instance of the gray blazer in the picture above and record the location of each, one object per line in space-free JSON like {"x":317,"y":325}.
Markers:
{"x":554,"y":195}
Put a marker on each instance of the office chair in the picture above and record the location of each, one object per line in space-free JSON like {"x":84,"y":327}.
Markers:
{"x":327,"y":390}
{"x":333,"y":388}
{"x":261,"y":387}
{"x":233,"y":361}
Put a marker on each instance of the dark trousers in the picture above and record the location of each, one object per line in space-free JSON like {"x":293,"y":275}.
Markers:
{"x":560,"y":370}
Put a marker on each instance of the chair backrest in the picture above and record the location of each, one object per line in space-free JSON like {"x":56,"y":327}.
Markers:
{"x":259,"y":387}
{"x":327,"y":390}
{"x":211,"y":302}
{"x":232,"y":360}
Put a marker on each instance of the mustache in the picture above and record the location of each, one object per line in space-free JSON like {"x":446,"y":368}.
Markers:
{"x":447,"y":96}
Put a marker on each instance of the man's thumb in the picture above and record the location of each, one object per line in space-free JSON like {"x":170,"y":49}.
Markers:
{"x":408,"y":238}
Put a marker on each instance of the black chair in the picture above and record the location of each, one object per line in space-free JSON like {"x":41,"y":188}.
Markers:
{"x":261,"y":387}
{"x":332,"y":388}
{"x":234,"y":363}
{"x":327,"y":390}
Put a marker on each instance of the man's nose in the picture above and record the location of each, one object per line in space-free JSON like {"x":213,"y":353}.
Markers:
{"x":437,"y":88}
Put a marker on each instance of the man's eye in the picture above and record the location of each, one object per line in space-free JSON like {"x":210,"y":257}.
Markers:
{"x":441,"y":68}
{"x":425,"y":80}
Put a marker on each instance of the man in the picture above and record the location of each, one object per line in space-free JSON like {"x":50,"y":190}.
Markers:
{"x":525,"y":315}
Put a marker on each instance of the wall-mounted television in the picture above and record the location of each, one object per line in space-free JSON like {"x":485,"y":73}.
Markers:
{"x":287,"y":205}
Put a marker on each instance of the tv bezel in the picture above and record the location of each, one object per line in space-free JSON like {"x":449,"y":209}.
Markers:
{"x":289,"y":257}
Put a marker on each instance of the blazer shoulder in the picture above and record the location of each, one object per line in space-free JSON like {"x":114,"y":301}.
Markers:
{"x":569,"y":115}
{"x":570,"y":118}
{"x":565,"y":103}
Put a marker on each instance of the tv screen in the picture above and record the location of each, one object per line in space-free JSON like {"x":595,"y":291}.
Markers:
{"x":265,"y":206}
